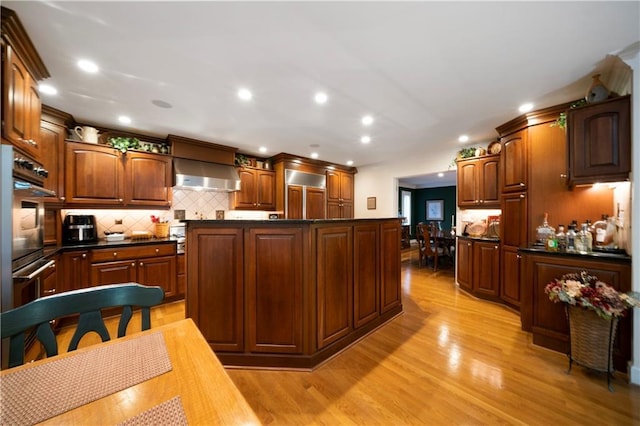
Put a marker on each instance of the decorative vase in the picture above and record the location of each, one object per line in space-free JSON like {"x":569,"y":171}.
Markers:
{"x":591,"y":338}
{"x":598,"y":91}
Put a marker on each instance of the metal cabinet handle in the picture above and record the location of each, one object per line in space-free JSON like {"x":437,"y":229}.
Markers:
{"x":521,"y":183}
{"x":157,"y":250}
{"x":120,"y":199}
{"x":115,"y":254}
{"x":49,"y":291}
{"x":141,"y":264}
{"x":521,"y":195}
{"x":63,"y":198}
{"x":563,"y":175}
{"x":84,"y":255}
{"x":133,"y":264}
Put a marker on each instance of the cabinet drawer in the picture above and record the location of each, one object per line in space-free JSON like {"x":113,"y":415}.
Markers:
{"x":121,"y":253}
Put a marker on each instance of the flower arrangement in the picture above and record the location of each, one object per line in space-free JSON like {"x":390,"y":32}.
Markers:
{"x":587,"y":291}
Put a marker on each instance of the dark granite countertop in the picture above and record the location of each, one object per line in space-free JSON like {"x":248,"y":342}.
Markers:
{"x":481,"y":238}
{"x":283,"y":221}
{"x":127,"y":242}
{"x":593,"y":255}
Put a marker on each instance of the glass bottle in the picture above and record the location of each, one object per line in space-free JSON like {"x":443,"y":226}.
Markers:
{"x":584,"y":240}
{"x":561,"y":237}
{"x":599,"y":231}
{"x":571,"y":239}
{"x":552,"y":243}
{"x":544,"y":231}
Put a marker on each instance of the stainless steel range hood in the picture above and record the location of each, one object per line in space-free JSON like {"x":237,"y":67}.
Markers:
{"x":204,"y":176}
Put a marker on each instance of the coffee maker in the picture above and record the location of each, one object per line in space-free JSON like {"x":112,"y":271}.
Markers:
{"x":79,"y":229}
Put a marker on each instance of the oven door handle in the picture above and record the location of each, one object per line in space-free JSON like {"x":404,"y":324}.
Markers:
{"x":18,"y":276}
{"x":36,"y":190}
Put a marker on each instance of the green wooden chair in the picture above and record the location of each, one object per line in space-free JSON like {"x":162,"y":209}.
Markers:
{"x":88,"y":303}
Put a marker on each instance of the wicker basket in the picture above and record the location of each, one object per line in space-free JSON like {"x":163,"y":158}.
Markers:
{"x":591,"y":339}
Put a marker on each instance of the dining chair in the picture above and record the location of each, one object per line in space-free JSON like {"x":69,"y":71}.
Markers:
{"x":88,"y":303}
{"x":426,"y":247}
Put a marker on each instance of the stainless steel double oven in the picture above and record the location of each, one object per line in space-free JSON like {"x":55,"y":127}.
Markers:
{"x":22,"y":226}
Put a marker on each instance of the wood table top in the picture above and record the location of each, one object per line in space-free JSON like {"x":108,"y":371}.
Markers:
{"x":207,"y":393}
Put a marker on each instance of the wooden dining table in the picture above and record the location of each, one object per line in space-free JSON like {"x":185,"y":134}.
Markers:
{"x":195,"y":378}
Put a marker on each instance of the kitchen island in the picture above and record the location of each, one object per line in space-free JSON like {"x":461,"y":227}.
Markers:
{"x":290,"y":293}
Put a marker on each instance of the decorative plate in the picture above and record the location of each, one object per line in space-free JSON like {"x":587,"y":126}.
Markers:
{"x":494,"y":147}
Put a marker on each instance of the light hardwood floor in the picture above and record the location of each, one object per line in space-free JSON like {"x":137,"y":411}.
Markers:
{"x":448,"y":359}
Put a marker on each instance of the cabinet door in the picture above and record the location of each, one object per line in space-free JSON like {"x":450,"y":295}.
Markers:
{"x":49,"y":279}
{"x":600,"y":141}
{"x":180,"y":275}
{"x":489,"y":191}
{"x":334,"y":210}
{"x":215,"y":277}
{"x":390,"y":282}
{"x":273,"y":280}
{"x":366,"y":272}
{"x":75,"y":270}
{"x":347,"y":211}
{"x":118,"y":272}
{"x":93,"y":175}
{"x":246,"y":197}
{"x":265,"y":182}
{"x":315,"y":203}
{"x":467,"y":183}
{"x":346,"y":187}
{"x":335,"y":283}
{"x":333,"y":186}
{"x":294,"y":201}
{"x":510,"y":284}
{"x":21,"y":107}
{"x":158,"y":271}
{"x":513,"y":226}
{"x":514,"y":162}
{"x":52,"y":138}
{"x":486,"y":267}
{"x":464,"y":264}
{"x":148,"y":179}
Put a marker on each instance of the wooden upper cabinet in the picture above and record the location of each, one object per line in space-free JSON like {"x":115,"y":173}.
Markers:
{"x":513,"y":229}
{"x":316,"y":202}
{"x":52,"y":138}
{"x":149,"y":179}
{"x":599,"y":138}
{"x":99,"y":175}
{"x":94,"y":175}
{"x":478,"y":182}
{"x":257,"y":190}
{"x":514,"y":162}
{"x":340,"y":186}
{"x":21,"y":106}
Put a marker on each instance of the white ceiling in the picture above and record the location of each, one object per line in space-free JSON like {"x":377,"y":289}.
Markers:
{"x":426,"y":71}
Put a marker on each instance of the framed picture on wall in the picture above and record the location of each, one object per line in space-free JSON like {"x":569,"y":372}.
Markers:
{"x":435,"y":209}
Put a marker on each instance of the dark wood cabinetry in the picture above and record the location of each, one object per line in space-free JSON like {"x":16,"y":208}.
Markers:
{"x":97,"y":175}
{"x":257,"y":190}
{"x":464,"y":264}
{"x":478,"y":182}
{"x":546,"y":320}
{"x":291,"y":294}
{"x":181,"y":280}
{"x":486,"y":267}
{"x":314,"y":198}
{"x":274,"y":290}
{"x":148,"y":265}
{"x":22,"y":68}
{"x":478,"y":267}
{"x":76,"y":267}
{"x":49,"y":278}
{"x":53,"y":133}
{"x":514,"y":166}
{"x":599,"y":137}
{"x":339,"y":195}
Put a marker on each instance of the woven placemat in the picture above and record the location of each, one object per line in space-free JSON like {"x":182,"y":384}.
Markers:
{"x":168,"y":413}
{"x":35,"y":394}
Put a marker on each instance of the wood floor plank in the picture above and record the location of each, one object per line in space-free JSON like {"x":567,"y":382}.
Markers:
{"x":448,"y":359}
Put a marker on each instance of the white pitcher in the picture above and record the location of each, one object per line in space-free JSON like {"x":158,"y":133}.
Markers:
{"x":87,"y":134}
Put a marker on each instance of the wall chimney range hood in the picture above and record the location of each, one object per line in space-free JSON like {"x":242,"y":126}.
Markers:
{"x":205,"y":176}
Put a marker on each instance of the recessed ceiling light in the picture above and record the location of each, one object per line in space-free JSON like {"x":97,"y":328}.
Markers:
{"x":350,"y":163}
{"x":367,"y":120}
{"x":87,"y":66}
{"x":262,"y":149}
{"x":245,"y":94}
{"x":314,"y":155}
{"x":525,"y":107}
{"x":463,"y":138}
{"x":321,"y":98}
{"x":365,"y":139}
{"x":124,"y":119}
{"x":440,"y":174}
{"x":47,"y":89}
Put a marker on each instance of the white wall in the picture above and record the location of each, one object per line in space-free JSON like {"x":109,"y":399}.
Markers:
{"x":632,"y":57}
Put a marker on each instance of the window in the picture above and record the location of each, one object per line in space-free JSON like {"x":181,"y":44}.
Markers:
{"x":406,"y":205}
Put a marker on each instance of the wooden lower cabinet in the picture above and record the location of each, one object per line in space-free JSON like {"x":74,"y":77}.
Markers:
{"x":290,"y":294}
{"x":49,"y":278}
{"x":510,"y":285}
{"x":180,"y":275}
{"x":76,"y":266}
{"x":464,"y":264}
{"x":486,"y":267}
{"x":546,"y":320}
